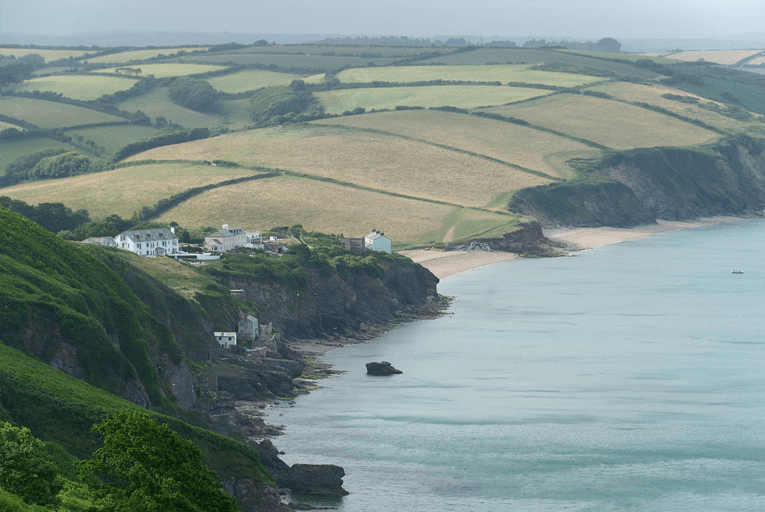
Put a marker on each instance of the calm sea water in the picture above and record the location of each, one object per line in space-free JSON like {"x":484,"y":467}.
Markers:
{"x":630,"y":377}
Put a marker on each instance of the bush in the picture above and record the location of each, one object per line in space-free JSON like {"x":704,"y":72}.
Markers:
{"x":195,"y":94}
{"x":25,"y":468}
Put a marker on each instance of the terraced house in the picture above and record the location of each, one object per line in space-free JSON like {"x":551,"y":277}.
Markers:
{"x":148,"y":242}
{"x":225,"y":239}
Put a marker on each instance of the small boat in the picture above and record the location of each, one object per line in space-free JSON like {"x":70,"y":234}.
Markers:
{"x":736,"y":271}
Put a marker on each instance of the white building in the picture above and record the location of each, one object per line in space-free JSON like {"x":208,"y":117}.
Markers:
{"x":107,"y":241}
{"x":148,"y":242}
{"x":253,"y":240}
{"x":225,"y":339}
{"x":377,"y":241}
{"x":225,"y":239}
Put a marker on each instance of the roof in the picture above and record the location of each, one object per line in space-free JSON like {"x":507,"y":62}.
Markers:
{"x":149,"y":235}
{"x":225,"y":233}
{"x":374,"y":235}
{"x":225,"y":334}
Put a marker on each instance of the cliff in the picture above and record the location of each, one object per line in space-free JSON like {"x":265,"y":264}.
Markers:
{"x":628,"y":188}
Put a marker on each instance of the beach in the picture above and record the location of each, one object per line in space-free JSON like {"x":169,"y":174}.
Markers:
{"x":446,"y":263}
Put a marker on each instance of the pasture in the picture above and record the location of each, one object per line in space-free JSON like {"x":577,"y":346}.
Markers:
{"x":138,"y":55}
{"x":607,"y":122}
{"x":4,"y":126}
{"x":497,"y":73}
{"x":724,"y":57}
{"x":122,"y":191}
{"x":12,"y":151}
{"x":325,"y":207}
{"x":652,"y":94}
{"x":249,"y":80}
{"x":512,"y":143}
{"x":377,"y":161}
{"x":388,"y":98}
{"x":48,"y":55}
{"x":115,"y":137}
{"x":78,"y":87}
{"x":331,"y":50}
{"x":52,"y":114}
{"x":166,"y":70}
{"x":483,"y":56}
{"x":294,"y":63}
{"x":157,"y":103}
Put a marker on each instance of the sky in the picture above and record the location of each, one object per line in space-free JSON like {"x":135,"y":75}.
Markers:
{"x":578,"y":19}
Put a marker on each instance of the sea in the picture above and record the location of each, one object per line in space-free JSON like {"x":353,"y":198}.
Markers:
{"x":628,"y":377}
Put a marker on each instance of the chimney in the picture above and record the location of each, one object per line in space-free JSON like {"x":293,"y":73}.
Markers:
{"x":172,"y":230}
{"x":225,"y":226}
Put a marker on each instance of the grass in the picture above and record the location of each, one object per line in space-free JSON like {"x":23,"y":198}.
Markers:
{"x":497,"y":73}
{"x":250,"y":79}
{"x":508,"y":142}
{"x":122,"y":191}
{"x":48,"y":55}
{"x":125,"y":57}
{"x":634,"y":57}
{"x":169,"y":69}
{"x":52,"y":114}
{"x":11,"y":151}
{"x":317,"y":205}
{"x":4,"y":126}
{"x":462,"y":96}
{"x":396,"y":52}
{"x":725,"y":57}
{"x":652,"y":94}
{"x":536,"y":56}
{"x":297,"y":63}
{"x":114,"y":137}
{"x":377,"y":161}
{"x":78,"y":87}
{"x":610,"y":123}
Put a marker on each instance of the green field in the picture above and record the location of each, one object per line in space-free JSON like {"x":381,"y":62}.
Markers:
{"x":380,"y":162}
{"x":4,"y":126}
{"x":78,"y":87}
{"x":508,"y":142}
{"x":499,"y":73}
{"x":296,"y":63}
{"x":330,"y":50}
{"x":122,"y":191}
{"x":48,"y":55}
{"x":157,"y":103}
{"x":388,"y":98}
{"x":167,"y":70}
{"x":52,"y":114}
{"x":115,"y":137}
{"x":330,"y":208}
{"x":610,"y":123}
{"x":12,"y":151}
{"x":250,"y":79}
{"x":137,"y":55}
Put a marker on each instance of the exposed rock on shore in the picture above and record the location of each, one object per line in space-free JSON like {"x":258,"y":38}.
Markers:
{"x":382,"y":368}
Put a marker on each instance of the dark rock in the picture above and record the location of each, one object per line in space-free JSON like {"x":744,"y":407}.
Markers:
{"x":382,"y":368}
{"x":315,"y":479}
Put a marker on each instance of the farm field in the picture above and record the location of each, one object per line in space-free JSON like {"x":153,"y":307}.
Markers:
{"x":250,"y":79}
{"x":376,"y":161}
{"x":535,"y":56}
{"x":11,"y":151}
{"x":622,"y":56}
{"x":167,"y":70}
{"x":388,"y":98}
{"x":724,"y":57}
{"x":52,"y":114}
{"x":330,"y":50}
{"x":157,"y":103}
{"x":757,"y":61}
{"x":653,"y":94}
{"x":78,"y":87}
{"x":4,"y":126}
{"x":326,"y":207}
{"x":48,"y":55}
{"x":125,"y":57}
{"x":123,"y":191}
{"x":610,"y":123}
{"x":115,"y":137}
{"x":498,"y":73}
{"x":512,"y":143}
{"x":309,"y":64}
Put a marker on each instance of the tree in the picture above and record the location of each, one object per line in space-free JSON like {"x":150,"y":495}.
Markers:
{"x":609,"y":44}
{"x":25,"y":468}
{"x":149,"y":467}
{"x":195,"y":94}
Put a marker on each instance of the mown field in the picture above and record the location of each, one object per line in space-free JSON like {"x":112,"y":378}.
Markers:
{"x":123,"y":191}
{"x":498,"y":73}
{"x":78,"y":87}
{"x":51,"y":114}
{"x":250,"y":79}
{"x":610,"y":123}
{"x":137,"y":55}
{"x":388,"y":98}
{"x":724,"y":57}
{"x":12,"y":151}
{"x":511,"y":143}
{"x":48,"y":55}
{"x":329,"y":208}
{"x":297,"y":63}
{"x":377,"y":161}
{"x":115,"y":137}
{"x":166,"y":70}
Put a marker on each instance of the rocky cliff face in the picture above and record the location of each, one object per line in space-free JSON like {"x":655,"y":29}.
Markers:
{"x":639,"y":186}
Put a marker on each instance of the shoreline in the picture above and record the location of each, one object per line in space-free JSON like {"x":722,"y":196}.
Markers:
{"x":446,"y":263}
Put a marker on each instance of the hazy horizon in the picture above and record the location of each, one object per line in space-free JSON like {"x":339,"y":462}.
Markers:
{"x":573,"y":19}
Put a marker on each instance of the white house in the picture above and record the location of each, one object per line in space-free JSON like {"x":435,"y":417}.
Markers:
{"x":225,"y":239}
{"x":148,"y":242}
{"x":226,"y":339}
{"x":253,"y":240}
{"x":377,"y":241}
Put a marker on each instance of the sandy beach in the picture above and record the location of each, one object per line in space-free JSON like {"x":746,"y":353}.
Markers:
{"x":444,"y":264}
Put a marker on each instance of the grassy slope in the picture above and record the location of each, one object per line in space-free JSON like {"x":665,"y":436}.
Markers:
{"x":137,"y":55}
{"x":167,"y":70}
{"x":78,"y":87}
{"x":116,"y":137}
{"x":50,"y":114}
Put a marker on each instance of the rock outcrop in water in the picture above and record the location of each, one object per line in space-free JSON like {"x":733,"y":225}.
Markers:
{"x":382,"y":368}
